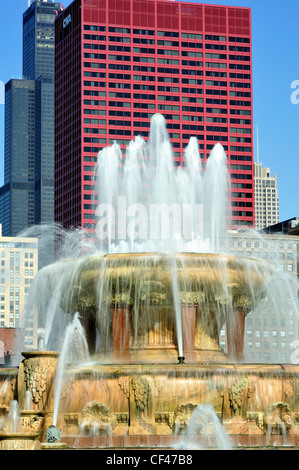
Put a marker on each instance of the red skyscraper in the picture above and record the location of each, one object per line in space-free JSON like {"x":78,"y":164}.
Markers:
{"x":120,"y":61}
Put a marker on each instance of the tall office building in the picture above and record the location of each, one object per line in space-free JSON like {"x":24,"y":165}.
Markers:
{"x":27,"y":197}
{"x":120,"y":61}
{"x":38,"y":38}
{"x":17,"y":195}
{"x":266,"y":197}
{"x":271,"y":333}
{"x":18,"y":266}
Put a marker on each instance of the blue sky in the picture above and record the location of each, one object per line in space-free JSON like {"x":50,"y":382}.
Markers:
{"x":275,"y":28}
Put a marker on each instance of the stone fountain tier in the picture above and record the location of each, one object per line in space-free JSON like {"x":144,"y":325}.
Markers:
{"x":140,"y":302}
{"x":151,"y":405}
{"x":19,"y":441}
{"x":149,"y":277}
{"x":124,"y":405}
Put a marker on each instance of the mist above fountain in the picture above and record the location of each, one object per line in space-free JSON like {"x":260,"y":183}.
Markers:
{"x":149,"y":205}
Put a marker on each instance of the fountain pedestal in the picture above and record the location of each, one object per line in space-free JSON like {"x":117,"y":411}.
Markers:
{"x":36,"y":374}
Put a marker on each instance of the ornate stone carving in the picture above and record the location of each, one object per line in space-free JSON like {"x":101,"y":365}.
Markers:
{"x":141,"y":389}
{"x":72,"y":423}
{"x":37,"y":374}
{"x":153,"y":292}
{"x":181,"y":417}
{"x":36,"y":380}
{"x":142,"y":413}
{"x":32,"y":421}
{"x":53,"y":434}
{"x":239,"y":394}
{"x":97,"y":419}
{"x":124,"y":384}
{"x":20,"y":442}
{"x":3,"y":410}
{"x":278,"y":419}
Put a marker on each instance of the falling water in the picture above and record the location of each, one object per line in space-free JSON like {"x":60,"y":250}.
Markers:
{"x":177,"y":308}
{"x":28,"y":401}
{"x":14,"y":418}
{"x":204,"y":422}
{"x":149,"y":205}
{"x":44,"y":298}
{"x":74,"y":349}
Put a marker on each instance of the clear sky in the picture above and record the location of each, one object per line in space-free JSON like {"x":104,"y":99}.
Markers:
{"x":275,"y":28}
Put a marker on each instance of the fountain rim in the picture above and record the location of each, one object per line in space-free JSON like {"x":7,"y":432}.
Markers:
{"x":4,"y":435}
{"x":156,"y":257}
{"x":37,"y":353}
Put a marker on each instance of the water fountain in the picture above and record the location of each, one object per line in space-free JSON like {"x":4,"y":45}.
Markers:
{"x":152,"y":300}
{"x":12,"y":434}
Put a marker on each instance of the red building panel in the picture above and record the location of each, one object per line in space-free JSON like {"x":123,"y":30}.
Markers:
{"x":120,"y":61}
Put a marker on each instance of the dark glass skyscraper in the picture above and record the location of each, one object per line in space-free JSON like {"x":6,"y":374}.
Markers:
{"x":27,"y":197}
{"x":39,"y":39}
{"x":17,"y":194}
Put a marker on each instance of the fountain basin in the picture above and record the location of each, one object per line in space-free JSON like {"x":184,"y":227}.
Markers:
{"x":152,"y":404}
{"x":145,"y":305}
{"x":131,"y":405}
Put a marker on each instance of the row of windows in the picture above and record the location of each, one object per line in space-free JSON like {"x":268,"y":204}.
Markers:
{"x":173,"y":90}
{"x":146,"y":59}
{"x":186,"y":137}
{"x":102,"y":112}
{"x":237,"y":76}
{"x":174,"y":34}
{"x":164,"y":79}
{"x":166,"y":89}
{"x":152,"y":51}
{"x":175,"y":136}
{"x":191,"y":127}
{"x":170,"y":126}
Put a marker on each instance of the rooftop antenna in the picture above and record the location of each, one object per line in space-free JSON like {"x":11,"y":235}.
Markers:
{"x":257,"y":145}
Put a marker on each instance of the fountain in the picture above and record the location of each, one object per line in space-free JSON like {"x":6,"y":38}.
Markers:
{"x":143,"y":314}
{"x":12,"y":434}
{"x":204,"y":422}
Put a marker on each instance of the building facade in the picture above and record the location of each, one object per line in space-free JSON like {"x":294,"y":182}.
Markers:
{"x":266,"y":197}
{"x":120,"y":61}
{"x":288,"y":227}
{"x":27,"y":197}
{"x":17,"y":196}
{"x":39,"y":39}
{"x":271,"y":334}
{"x":19,"y":265}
